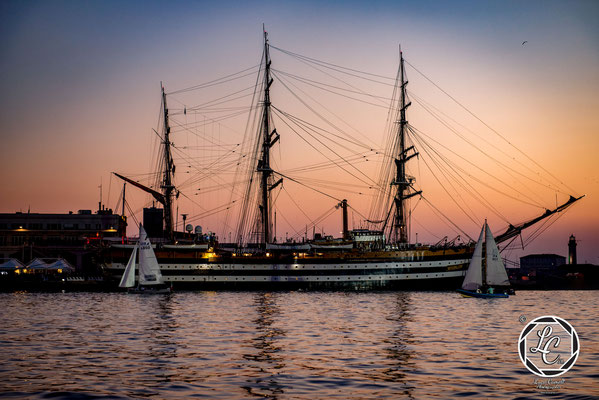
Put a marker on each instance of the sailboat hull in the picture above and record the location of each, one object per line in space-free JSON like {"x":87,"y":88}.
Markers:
{"x":149,"y":290}
{"x":469,"y":293}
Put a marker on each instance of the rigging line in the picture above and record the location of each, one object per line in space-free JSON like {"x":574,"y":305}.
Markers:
{"x":455,"y":166}
{"x":318,"y":114}
{"x":216,"y":120}
{"x":423,"y":226}
{"x":303,"y":184}
{"x":215,"y":102}
{"x":552,"y":221}
{"x":341,"y":119}
{"x":206,"y":175}
{"x":214,"y":82}
{"x":425,"y":104}
{"x":324,"y":166}
{"x":131,"y":213}
{"x":213,"y":211}
{"x":212,"y":110}
{"x":185,"y":128}
{"x":318,"y":85}
{"x":324,"y":63}
{"x":443,"y":186}
{"x":490,"y":128}
{"x":313,"y":65}
{"x":358,"y":212}
{"x":249,"y":143}
{"x":298,"y":233}
{"x":325,"y":120}
{"x":331,"y":150}
{"x":193,"y":201}
{"x":506,"y":167}
{"x":451,"y":172}
{"x":307,"y":131}
{"x":294,"y":202}
{"x":317,"y":128}
{"x":446,"y":218}
{"x":469,"y":188}
{"x":288,"y":223}
{"x":332,"y":183}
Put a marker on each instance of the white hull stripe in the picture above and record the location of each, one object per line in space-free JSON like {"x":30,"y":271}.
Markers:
{"x":302,"y":267}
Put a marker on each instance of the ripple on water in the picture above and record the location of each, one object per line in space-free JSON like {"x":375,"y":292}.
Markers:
{"x":282,"y":345}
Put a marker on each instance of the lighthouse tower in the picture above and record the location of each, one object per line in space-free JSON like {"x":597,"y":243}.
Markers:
{"x":572,"y":250}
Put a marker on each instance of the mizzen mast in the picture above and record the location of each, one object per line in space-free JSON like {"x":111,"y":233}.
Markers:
{"x":399,"y":231}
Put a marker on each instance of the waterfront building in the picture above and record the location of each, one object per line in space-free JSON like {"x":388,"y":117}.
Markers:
{"x":71,"y":236}
{"x":540,"y":264}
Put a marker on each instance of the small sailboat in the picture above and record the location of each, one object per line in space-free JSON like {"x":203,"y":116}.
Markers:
{"x":486,"y":272}
{"x":150,"y":279}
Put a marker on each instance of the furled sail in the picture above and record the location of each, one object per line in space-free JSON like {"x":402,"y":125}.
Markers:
{"x":474,"y":275}
{"x":496,"y":274}
{"x":128,"y":279}
{"x":149,"y":270}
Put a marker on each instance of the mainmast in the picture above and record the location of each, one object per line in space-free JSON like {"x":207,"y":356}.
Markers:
{"x":269,"y":139}
{"x":167,"y":173}
{"x":399,"y":232}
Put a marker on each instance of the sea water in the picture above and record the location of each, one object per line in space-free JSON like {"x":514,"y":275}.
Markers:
{"x":287,"y":345}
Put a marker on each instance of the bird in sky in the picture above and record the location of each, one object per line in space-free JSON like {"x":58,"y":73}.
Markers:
{"x":526,"y":41}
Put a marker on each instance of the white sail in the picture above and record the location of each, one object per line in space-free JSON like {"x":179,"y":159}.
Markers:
{"x":128,"y":279}
{"x":496,"y":274}
{"x":149,"y":270}
{"x":474,"y":275}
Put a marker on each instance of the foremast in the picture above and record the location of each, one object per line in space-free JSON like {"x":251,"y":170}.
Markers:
{"x":268,"y":140}
{"x":403,"y":182}
{"x":166,"y":181}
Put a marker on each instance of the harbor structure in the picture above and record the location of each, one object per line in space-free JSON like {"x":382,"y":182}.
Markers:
{"x":26,"y":236}
{"x":572,"y":250}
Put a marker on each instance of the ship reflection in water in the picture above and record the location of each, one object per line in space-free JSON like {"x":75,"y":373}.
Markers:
{"x":282,"y":345}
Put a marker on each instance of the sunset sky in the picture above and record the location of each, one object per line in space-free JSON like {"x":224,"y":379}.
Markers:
{"x":81,"y":93}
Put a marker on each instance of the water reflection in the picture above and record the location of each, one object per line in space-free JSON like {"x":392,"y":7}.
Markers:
{"x":400,"y":344}
{"x":162,"y":346}
{"x":267,"y":360}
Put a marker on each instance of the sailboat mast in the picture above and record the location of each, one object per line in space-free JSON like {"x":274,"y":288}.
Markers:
{"x":264,"y":163}
{"x":167,"y":175}
{"x":399,"y":231}
{"x":484,"y":257}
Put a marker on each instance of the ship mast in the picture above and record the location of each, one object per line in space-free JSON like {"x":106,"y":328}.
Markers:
{"x":399,"y":231}
{"x":268,"y":140}
{"x":167,"y":173}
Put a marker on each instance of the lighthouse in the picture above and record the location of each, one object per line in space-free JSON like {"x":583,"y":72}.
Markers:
{"x":572,"y":250}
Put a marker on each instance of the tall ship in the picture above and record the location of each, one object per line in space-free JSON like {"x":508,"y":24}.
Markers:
{"x":379,"y":254}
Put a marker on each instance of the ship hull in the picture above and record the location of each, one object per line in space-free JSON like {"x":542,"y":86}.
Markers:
{"x":374,"y":271}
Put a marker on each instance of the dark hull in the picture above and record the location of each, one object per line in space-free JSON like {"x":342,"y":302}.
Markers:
{"x":468,"y":293}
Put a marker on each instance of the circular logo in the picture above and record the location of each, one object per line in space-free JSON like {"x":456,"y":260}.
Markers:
{"x":548,"y":346}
